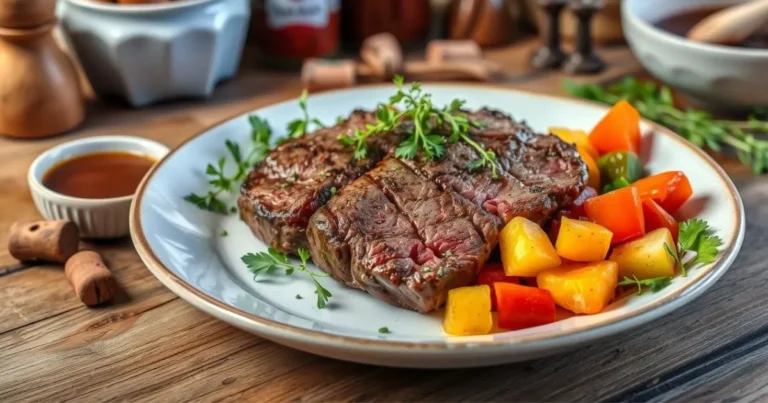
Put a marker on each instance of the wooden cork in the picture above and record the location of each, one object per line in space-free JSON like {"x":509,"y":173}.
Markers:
{"x":382,"y":53}
{"x":53,"y":241}
{"x":319,"y":74}
{"x":451,"y":50}
{"x":94,"y":284}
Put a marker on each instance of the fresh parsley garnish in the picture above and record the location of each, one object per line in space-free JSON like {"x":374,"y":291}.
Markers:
{"x":654,"y":284}
{"x":695,"y":236}
{"x":425,"y":122}
{"x":219,"y":180}
{"x":299,"y":127}
{"x":272,"y":260}
{"x":699,"y":127}
{"x":298,"y":296}
{"x":698,"y":237}
{"x":384,"y":330}
{"x":223,"y":233}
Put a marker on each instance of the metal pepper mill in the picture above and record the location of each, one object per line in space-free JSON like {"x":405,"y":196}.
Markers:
{"x":584,"y":60}
{"x":550,"y":55}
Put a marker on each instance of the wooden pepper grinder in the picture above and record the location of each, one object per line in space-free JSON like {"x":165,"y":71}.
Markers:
{"x":39,"y":87}
{"x":550,"y":54}
{"x":584,"y":60}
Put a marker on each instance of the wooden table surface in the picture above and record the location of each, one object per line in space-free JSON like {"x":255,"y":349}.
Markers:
{"x":151,"y":345}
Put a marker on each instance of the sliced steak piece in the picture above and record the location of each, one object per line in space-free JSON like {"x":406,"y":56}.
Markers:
{"x":544,"y":163}
{"x":504,"y":198}
{"x":298,"y":177}
{"x":448,"y":225}
{"x":363,"y":239}
{"x":389,"y":230}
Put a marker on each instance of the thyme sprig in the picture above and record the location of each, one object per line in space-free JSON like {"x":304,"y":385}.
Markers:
{"x":425,"y":124}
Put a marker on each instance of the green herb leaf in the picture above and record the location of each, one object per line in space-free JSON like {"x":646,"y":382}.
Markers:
{"x":220,"y":181}
{"x":299,"y":127}
{"x":426,"y":125}
{"x":697,"y":236}
{"x":267,"y":262}
{"x":384,"y":330}
{"x":223,"y":233}
{"x":654,"y":284}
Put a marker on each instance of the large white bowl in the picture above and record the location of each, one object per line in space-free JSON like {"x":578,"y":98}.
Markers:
{"x":151,"y":52}
{"x":718,"y":75}
{"x":196,"y":254}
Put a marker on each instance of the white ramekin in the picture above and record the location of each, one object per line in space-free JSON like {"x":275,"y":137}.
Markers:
{"x":96,"y":218}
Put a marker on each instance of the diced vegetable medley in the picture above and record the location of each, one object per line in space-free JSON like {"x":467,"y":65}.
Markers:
{"x":625,"y":236}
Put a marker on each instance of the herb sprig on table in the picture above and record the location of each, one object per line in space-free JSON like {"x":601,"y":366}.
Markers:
{"x":697,"y":245}
{"x":272,"y":260}
{"x":426,"y":122}
{"x":699,"y":127}
{"x":219,"y":180}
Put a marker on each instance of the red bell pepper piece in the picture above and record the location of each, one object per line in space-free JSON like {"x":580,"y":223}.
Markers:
{"x":656,"y":217}
{"x":493,"y":273}
{"x":522,"y":307}
{"x":619,"y":130}
{"x":669,"y":189}
{"x":620,"y":211}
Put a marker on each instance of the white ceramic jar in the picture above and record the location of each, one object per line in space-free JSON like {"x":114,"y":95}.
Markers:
{"x":151,"y":52}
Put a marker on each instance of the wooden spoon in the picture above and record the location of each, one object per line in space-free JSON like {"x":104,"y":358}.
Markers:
{"x":732,"y":25}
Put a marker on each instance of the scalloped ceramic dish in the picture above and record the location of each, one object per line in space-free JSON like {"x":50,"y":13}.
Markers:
{"x":181,"y":245}
{"x":151,"y":52}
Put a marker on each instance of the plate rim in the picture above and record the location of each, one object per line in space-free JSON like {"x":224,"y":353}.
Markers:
{"x":267,"y":327}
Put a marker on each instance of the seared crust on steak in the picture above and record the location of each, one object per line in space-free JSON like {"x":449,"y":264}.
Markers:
{"x":298,"y":177}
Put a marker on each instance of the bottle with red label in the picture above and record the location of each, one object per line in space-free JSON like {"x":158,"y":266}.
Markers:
{"x":290,"y":31}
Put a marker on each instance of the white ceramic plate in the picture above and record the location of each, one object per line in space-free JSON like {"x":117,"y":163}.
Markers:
{"x":181,"y":245}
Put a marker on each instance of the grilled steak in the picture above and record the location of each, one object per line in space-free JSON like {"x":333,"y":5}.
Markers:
{"x":410,"y":230}
{"x":406,"y":231}
{"x":298,"y":177}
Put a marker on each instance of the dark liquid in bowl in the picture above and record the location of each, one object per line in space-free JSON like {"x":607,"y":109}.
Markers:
{"x":98,"y":176}
{"x":680,"y":24}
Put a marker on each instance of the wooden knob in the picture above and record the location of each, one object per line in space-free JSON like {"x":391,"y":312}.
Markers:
{"x":383,"y":55}
{"x":317,"y":74}
{"x":89,"y":276}
{"x":732,"y":25}
{"x":53,"y":241}
{"x":448,"y":50}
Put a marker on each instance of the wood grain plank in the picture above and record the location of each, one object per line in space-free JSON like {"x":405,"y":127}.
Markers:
{"x":43,"y":291}
{"x":734,"y":372}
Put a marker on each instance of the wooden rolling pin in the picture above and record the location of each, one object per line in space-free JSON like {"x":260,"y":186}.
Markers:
{"x":731,"y":25}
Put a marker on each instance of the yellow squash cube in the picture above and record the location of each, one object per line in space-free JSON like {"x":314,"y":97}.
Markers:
{"x":646,"y":257}
{"x":581,"y":287}
{"x":526,"y":249}
{"x":579,"y":138}
{"x":468,"y":311}
{"x":582,"y":241}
